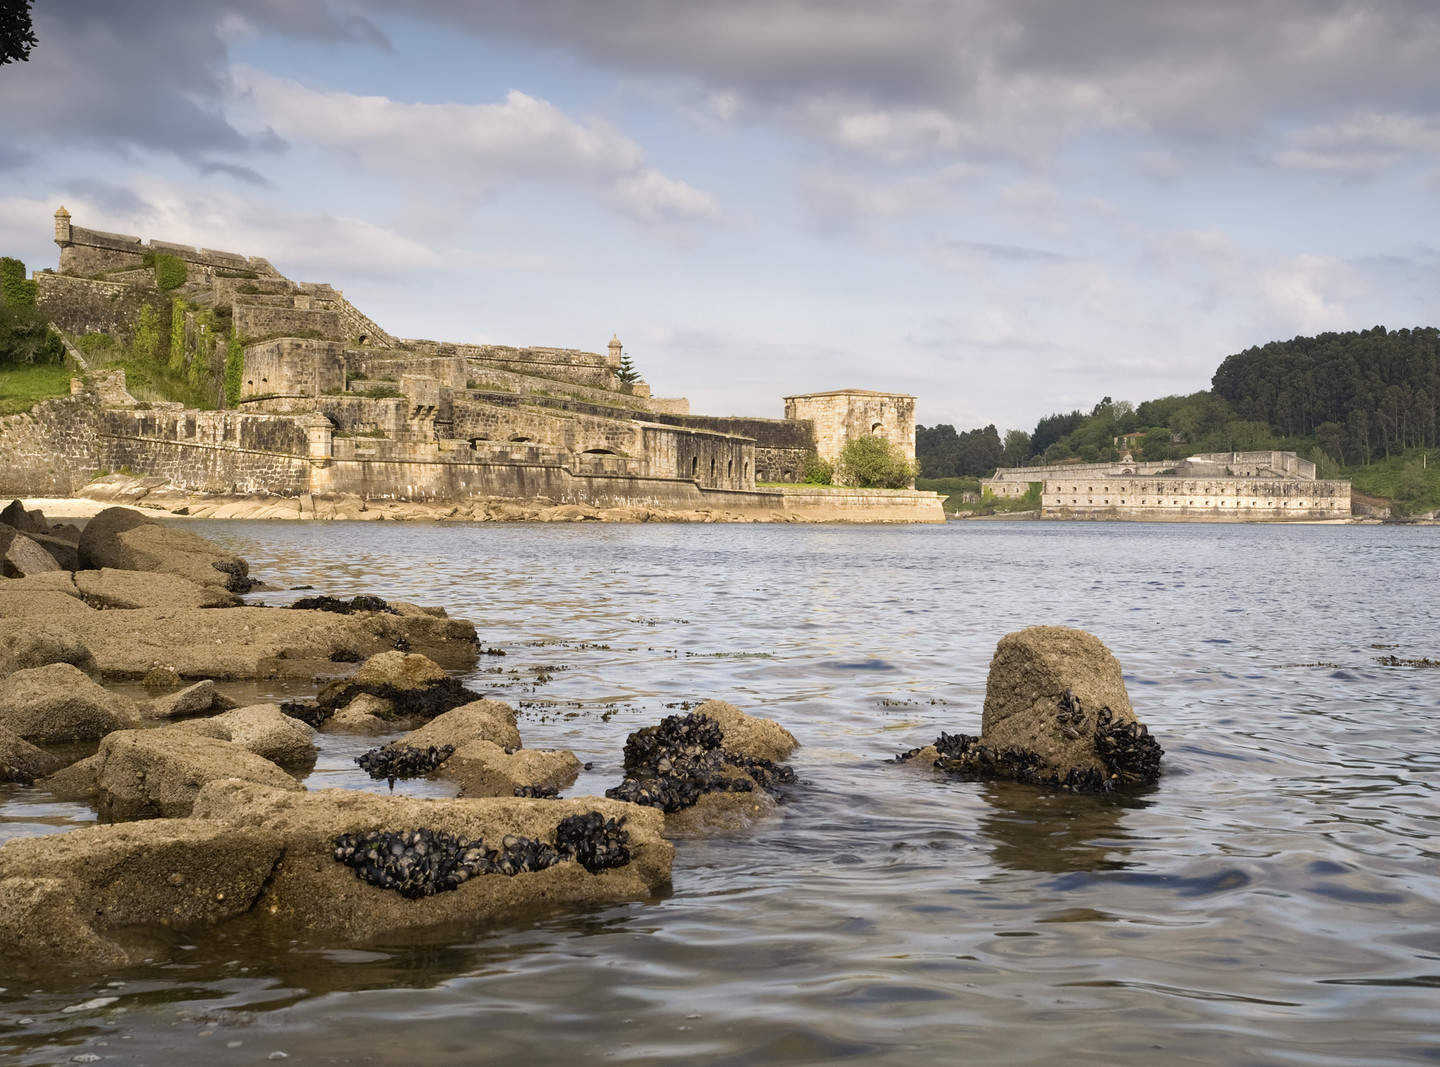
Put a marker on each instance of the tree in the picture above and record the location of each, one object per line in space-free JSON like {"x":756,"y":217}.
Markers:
{"x":627,"y":372}
{"x":16,"y":35}
{"x":1016,"y":450}
{"x":874,"y":463}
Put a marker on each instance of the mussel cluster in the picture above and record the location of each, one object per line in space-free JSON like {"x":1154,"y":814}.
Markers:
{"x":1128,"y":751}
{"x":537,"y":792}
{"x":673,"y":765}
{"x":363,"y":602}
{"x":423,"y":862}
{"x":403,"y":761}
{"x":307,"y":711}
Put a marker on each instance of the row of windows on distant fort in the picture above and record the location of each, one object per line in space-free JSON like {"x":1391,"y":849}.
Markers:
{"x":1191,"y":503}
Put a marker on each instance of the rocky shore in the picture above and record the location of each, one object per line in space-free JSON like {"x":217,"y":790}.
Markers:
{"x":203,"y":814}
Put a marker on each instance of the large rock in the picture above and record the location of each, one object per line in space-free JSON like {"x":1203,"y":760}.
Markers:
{"x":21,"y":557}
{"x":59,"y":703}
{"x":16,"y":517}
{"x":75,"y":782}
{"x":192,"y":700}
{"x":484,"y":769}
{"x":62,"y":895}
{"x":747,"y":735}
{"x":127,"y":540}
{"x":1026,"y":706}
{"x":312,"y":892}
{"x":480,"y":720}
{"x":262,"y":729}
{"x":40,"y":646}
{"x":416,"y":687}
{"x":112,"y":589}
{"x":21,"y":761}
{"x":148,"y":774}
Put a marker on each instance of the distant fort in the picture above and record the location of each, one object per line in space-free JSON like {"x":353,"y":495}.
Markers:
{"x":1214,"y":487}
{"x":330,"y":402}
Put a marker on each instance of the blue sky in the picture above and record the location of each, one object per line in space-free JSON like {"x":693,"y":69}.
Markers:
{"x":1006,"y":207}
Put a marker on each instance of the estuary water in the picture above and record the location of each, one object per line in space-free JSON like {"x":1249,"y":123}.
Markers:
{"x":1275,"y":899}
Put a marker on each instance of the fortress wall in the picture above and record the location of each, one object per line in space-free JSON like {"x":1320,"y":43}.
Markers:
{"x":843,"y":416}
{"x":1025,"y":475}
{"x":577,"y":432}
{"x":824,"y":504}
{"x":83,"y":305}
{"x":450,"y":370}
{"x":93,"y":251}
{"x":292,"y":366}
{"x":51,"y":450}
{"x":1219,"y":499}
{"x":714,"y":461}
{"x":257,"y":320}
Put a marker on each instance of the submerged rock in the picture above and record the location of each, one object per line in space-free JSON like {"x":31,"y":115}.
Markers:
{"x":192,"y":700}
{"x":63,"y":896}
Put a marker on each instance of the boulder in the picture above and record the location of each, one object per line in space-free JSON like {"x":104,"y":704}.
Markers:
{"x":111,"y":589}
{"x":1024,"y":696}
{"x":21,"y":761}
{"x":484,"y":769}
{"x":480,"y":720}
{"x":192,"y":700}
{"x":62,"y":895}
{"x":75,"y":782}
{"x":59,"y":703}
{"x":127,"y":540}
{"x":747,"y":735}
{"x":40,"y":646}
{"x":147,"y":774}
{"x":17,"y":518}
{"x":416,"y":686}
{"x":262,"y":729}
{"x":21,"y":557}
{"x":310,"y":892}
{"x":365,"y":715}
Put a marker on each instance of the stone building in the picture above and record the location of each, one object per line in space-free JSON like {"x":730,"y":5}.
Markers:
{"x":842,"y":415}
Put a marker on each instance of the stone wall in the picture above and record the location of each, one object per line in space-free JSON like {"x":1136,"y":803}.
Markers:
{"x":292,"y":367}
{"x":1192,"y":500}
{"x":259,"y":320}
{"x":51,"y":450}
{"x":84,"y":251}
{"x":1025,"y":475}
{"x":844,"y":415}
{"x":711,"y":460}
{"x":826,"y":504}
{"x":84,"y":305}
{"x":479,"y":421}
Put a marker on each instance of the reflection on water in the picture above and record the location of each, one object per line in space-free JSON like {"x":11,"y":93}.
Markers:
{"x":1272,"y":900}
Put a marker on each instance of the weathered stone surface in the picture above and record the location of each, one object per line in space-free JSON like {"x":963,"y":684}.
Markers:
{"x":262,"y":729}
{"x":115,"y":589}
{"x":148,"y":774}
{"x":484,"y":769}
{"x":75,"y":782}
{"x":747,"y":735}
{"x":21,"y":557}
{"x":62,"y":895}
{"x":311,"y":892}
{"x":41,"y":645}
{"x":192,"y":700}
{"x":1029,"y":674}
{"x":16,"y":517}
{"x":127,"y":540}
{"x":241,"y":642}
{"x":59,"y":703}
{"x":365,"y":715}
{"x":480,"y":720}
{"x":399,"y":670}
{"x":417,"y":688}
{"x":21,"y":761}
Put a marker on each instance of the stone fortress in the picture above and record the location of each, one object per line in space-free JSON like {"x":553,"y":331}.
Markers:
{"x":332,"y":403}
{"x":1214,"y":487}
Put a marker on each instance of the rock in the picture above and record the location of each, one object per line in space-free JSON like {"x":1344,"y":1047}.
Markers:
{"x":311,"y":892}
{"x":484,"y":769}
{"x":127,"y":540}
{"x":161,"y":678}
{"x":59,"y":703}
{"x":242,"y":642}
{"x":61,"y":895}
{"x":568,"y":513}
{"x":415,"y":686}
{"x":111,"y":589}
{"x":262,"y":729}
{"x":21,"y":557}
{"x":365,"y":715}
{"x":21,"y":761}
{"x":480,"y":720}
{"x":75,"y":782}
{"x":1029,"y":675}
{"x":148,"y":774}
{"x":16,"y":517}
{"x":191,"y":700}
{"x":40,"y":646}
{"x":747,"y":735}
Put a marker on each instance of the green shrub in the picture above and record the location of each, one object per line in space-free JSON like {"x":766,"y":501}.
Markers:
{"x":26,"y":338}
{"x":97,"y":344}
{"x":170,"y":272}
{"x":381,"y":392}
{"x":15,"y":289}
{"x":177,"y":336}
{"x":874,"y":463}
{"x":234,"y":371}
{"x":818,"y":471}
{"x":145,"y":341}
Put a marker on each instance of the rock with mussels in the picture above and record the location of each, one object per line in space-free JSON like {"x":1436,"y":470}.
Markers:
{"x":1056,"y":714}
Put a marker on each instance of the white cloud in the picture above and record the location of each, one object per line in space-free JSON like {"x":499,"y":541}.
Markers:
{"x":1361,"y":146}
{"x":1305,"y":292}
{"x":455,"y":144}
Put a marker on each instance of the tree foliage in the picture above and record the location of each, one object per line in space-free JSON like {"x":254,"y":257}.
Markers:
{"x":26,"y":337}
{"x":17,"y":36}
{"x":873,"y":463}
{"x":941,"y":452}
{"x":627,"y":372}
{"x":15,"y":289}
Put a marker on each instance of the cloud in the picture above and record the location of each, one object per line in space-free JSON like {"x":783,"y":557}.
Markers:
{"x":1008,"y":253}
{"x":1305,"y":293}
{"x":522,"y":136}
{"x":1363,"y":146}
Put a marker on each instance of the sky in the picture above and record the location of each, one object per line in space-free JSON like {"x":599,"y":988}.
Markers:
{"x":1005,"y":207}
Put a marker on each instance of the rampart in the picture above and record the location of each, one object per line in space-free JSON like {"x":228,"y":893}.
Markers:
{"x":1196,"y":499}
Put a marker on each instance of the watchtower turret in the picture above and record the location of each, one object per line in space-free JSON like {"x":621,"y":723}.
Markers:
{"x":615,"y":347}
{"x":62,"y":227}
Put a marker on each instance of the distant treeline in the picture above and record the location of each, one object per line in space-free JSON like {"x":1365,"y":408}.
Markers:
{"x":1346,"y":398}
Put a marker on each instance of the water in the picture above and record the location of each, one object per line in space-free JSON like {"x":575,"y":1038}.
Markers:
{"x":1274,"y":900}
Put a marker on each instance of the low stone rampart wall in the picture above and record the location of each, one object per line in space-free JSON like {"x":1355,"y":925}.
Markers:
{"x":862,"y":505}
{"x":1196,"y":500}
